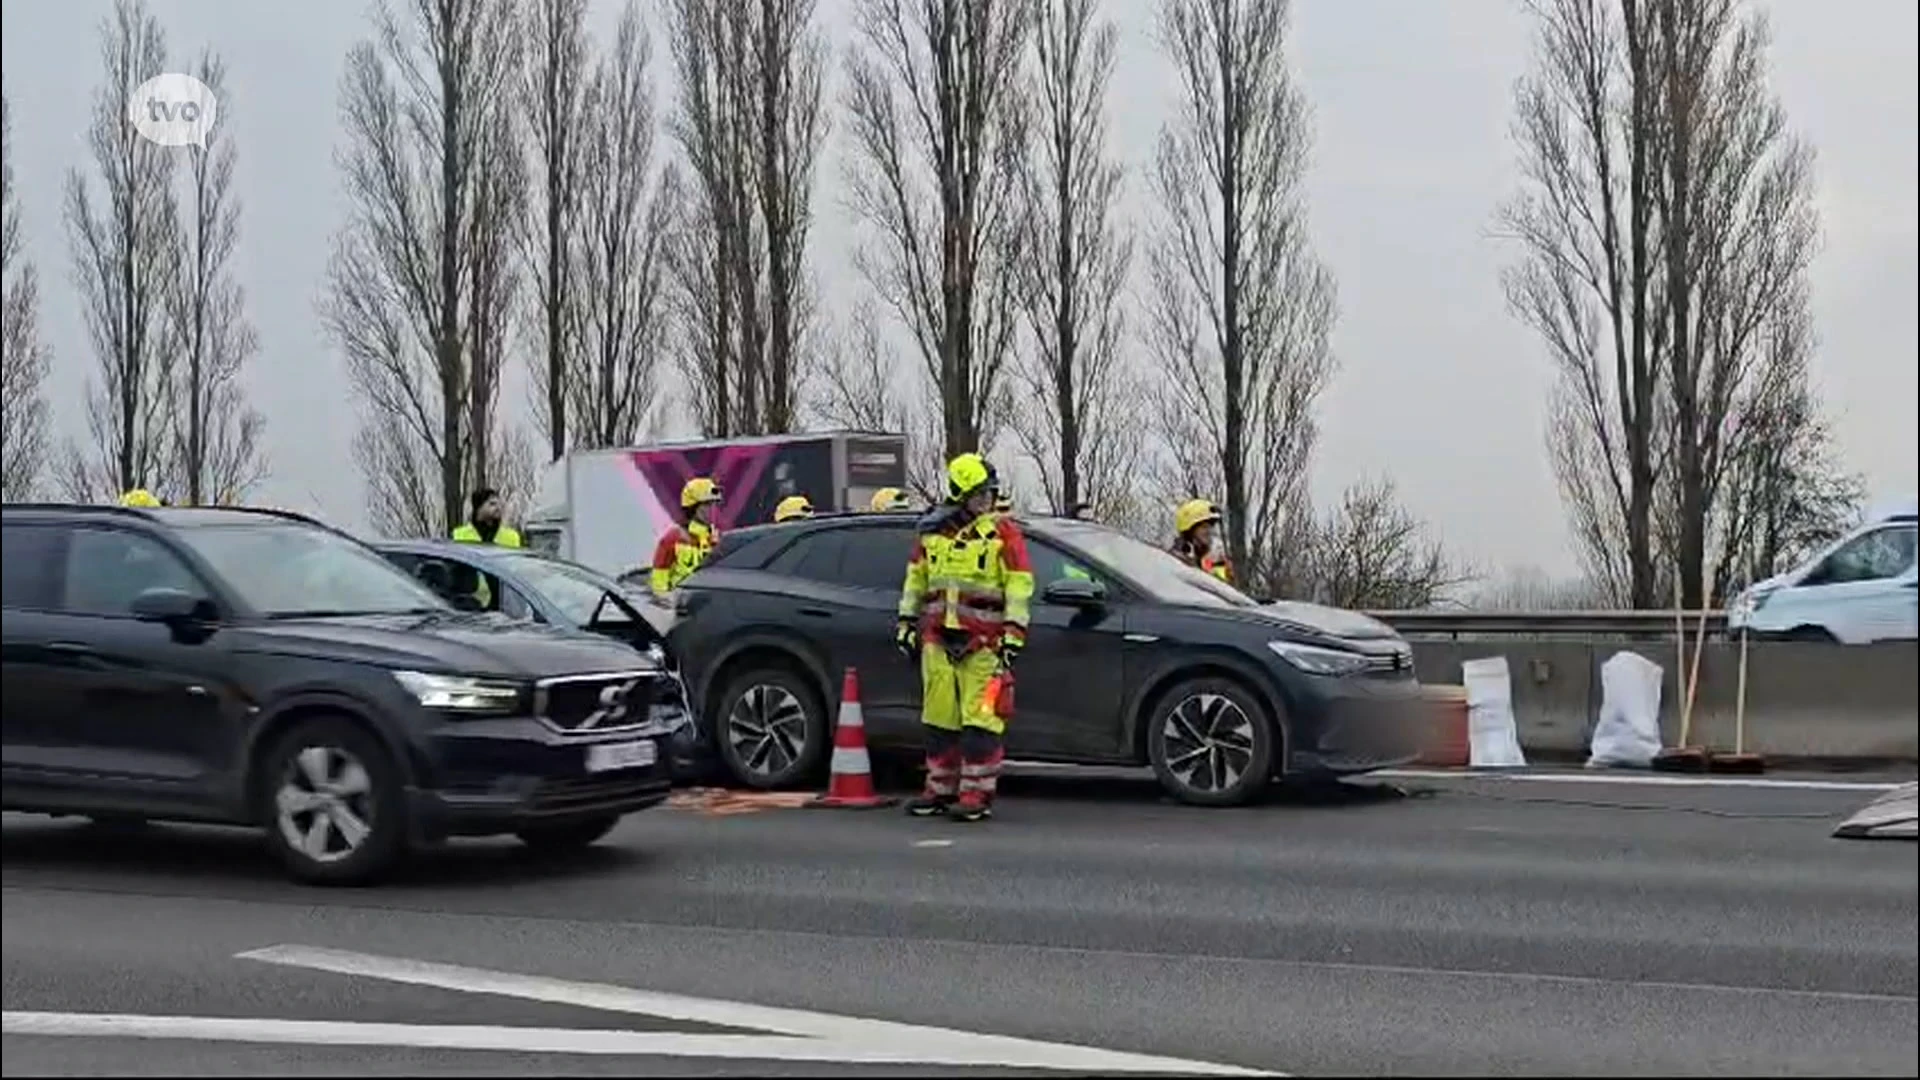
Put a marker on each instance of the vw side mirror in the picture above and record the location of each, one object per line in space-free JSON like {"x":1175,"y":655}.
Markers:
{"x":173,"y":607}
{"x":1075,"y":592}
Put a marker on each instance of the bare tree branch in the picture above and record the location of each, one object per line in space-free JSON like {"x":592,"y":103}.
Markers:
{"x":1240,"y":309}
{"x":421,"y":288}
{"x":1077,"y":415}
{"x":1371,"y":553}
{"x":613,"y":384}
{"x":217,"y":454}
{"x":556,"y":83}
{"x":24,"y":358}
{"x":122,"y":254}
{"x":938,"y":130}
{"x":750,"y":126}
{"x":857,"y":389}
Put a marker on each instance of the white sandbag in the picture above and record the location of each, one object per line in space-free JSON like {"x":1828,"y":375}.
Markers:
{"x":1491,"y":736}
{"x":1628,"y":731}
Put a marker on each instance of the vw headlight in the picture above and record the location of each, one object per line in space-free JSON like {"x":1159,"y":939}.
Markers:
{"x":459,"y":693}
{"x":1315,"y":660}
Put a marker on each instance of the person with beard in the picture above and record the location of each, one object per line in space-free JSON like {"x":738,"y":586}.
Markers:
{"x":483,"y":524}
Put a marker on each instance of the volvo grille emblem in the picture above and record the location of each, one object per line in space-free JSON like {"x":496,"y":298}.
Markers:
{"x":613,"y":706}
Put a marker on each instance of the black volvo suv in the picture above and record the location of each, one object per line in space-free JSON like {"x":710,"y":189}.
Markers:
{"x":251,"y":667}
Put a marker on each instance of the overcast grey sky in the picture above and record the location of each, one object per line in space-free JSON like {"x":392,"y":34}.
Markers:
{"x":1438,"y":386}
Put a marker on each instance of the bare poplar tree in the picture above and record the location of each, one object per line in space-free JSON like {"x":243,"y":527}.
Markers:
{"x":1739,"y":233}
{"x":421,"y":287}
{"x":750,"y":125}
{"x":1075,"y":415}
{"x":1240,"y":308}
{"x":556,"y":85}
{"x":1666,"y":224}
{"x":23,"y":356}
{"x":217,"y":453}
{"x":628,"y":202}
{"x":1588,"y":274}
{"x":938,"y":130}
{"x":122,"y":253}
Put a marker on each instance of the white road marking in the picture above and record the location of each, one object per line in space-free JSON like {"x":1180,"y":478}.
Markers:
{"x":530,"y":1040}
{"x":1634,"y":780}
{"x":796,"y":1035}
{"x":933,"y":843}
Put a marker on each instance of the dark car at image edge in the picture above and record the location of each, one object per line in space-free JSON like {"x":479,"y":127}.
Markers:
{"x":1132,"y":658}
{"x":257,"y":668}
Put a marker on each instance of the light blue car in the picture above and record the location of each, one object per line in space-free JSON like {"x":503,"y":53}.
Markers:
{"x":1861,"y":589}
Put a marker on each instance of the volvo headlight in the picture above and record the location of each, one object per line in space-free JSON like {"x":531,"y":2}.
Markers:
{"x":1316,"y":660}
{"x":459,"y":693}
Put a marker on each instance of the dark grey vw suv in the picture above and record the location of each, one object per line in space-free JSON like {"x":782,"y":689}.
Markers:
{"x":1133,"y":658}
{"x":249,"y":667}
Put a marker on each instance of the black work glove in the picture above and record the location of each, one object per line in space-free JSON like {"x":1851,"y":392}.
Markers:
{"x":1010,"y":651}
{"x":906,"y":638}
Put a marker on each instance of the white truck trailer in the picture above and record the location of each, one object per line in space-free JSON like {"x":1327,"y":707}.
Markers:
{"x":607,"y":508}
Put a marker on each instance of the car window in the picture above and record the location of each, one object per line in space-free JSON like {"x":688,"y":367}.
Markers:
{"x":108,"y":568}
{"x":876,"y":558}
{"x":578,"y":592}
{"x":814,"y":557}
{"x":32,"y":577}
{"x":1875,"y":556}
{"x":1050,"y":564}
{"x":508,"y":601}
{"x":289,"y":569}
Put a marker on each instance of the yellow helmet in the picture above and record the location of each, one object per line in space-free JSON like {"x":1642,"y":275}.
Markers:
{"x":1194,"y":512}
{"x":888,"y":499}
{"x":967,"y":474}
{"x":793,"y":507}
{"x":141,"y":498}
{"x":699,"y":491}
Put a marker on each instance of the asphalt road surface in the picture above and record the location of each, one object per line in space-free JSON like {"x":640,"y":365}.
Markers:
{"x":1466,"y":927}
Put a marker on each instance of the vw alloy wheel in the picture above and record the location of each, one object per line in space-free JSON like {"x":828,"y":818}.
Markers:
{"x":1210,"y":742}
{"x":767,"y":731}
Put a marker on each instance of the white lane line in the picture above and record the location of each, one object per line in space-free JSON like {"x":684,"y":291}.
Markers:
{"x":1633,"y":780}
{"x":800,"y":1035}
{"x":932,"y":843}
{"x":531,"y":1040}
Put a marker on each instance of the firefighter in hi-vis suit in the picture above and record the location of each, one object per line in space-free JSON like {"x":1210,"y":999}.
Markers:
{"x":683,"y":548}
{"x":963,"y":612}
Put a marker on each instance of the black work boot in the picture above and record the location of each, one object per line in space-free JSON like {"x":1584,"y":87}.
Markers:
{"x":926,"y":805}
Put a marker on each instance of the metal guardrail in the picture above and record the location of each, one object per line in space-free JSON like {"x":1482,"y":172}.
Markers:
{"x":1625,"y":624}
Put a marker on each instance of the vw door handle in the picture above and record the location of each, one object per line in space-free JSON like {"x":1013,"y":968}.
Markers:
{"x":816,"y":613}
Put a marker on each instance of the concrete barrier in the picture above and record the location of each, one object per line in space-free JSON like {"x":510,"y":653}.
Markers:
{"x":1804,"y":700}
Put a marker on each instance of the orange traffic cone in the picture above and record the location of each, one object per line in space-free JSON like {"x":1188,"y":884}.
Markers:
{"x":851,"y":787}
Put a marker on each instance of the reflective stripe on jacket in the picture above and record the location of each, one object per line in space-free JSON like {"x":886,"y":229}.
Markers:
{"x":679,"y":553}
{"x":975,"y":579}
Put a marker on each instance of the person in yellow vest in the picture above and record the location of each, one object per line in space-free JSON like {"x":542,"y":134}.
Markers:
{"x":793,"y":508}
{"x":140,"y":498}
{"x":1194,"y":524}
{"x":483,"y":524}
{"x":684,"y":547}
{"x":889,"y":500}
{"x":963,"y":614}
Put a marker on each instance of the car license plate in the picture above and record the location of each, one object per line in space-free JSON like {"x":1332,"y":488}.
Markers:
{"x":621,"y":755}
